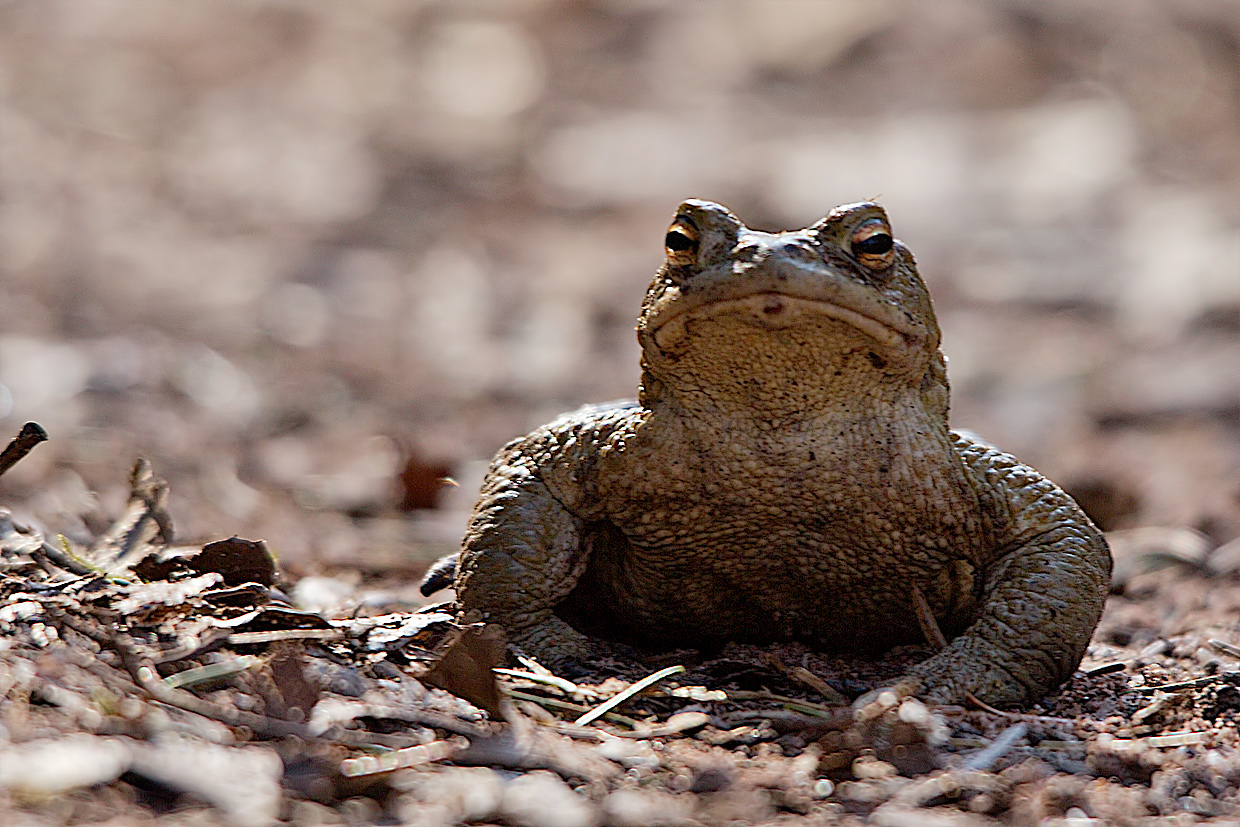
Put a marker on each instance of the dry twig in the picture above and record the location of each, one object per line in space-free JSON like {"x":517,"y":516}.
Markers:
{"x":986,"y":759}
{"x":807,"y":678}
{"x":31,"y":434}
{"x":555,"y":703}
{"x":925,"y":618}
{"x":147,"y":678}
{"x":985,"y":707}
{"x":562,"y":684}
{"x":624,"y":695}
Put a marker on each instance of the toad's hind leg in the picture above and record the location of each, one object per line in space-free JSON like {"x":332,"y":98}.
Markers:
{"x":522,"y":554}
{"x":1043,"y":592}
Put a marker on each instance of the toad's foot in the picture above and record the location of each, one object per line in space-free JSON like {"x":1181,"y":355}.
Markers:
{"x":570,"y":653}
{"x":951,"y":677}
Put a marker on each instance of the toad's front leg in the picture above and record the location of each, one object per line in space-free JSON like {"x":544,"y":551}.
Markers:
{"x":521,"y":556}
{"x":1043,"y":594}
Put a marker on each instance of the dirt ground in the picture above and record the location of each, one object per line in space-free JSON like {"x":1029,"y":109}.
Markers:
{"x":310,"y":259}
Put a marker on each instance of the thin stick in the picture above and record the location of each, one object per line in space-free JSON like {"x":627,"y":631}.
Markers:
{"x":211,"y":672}
{"x":985,"y":760}
{"x":985,"y":707}
{"x":32,"y":434}
{"x":1225,"y":677}
{"x":402,"y":758}
{"x":1024,"y":716}
{"x":620,"y":697}
{"x":925,"y":618}
{"x":814,"y":711}
{"x":145,"y":676}
{"x":550,"y":680}
{"x":806,"y":678}
{"x":1224,"y":647}
{"x":243,"y":638}
{"x":555,"y":703}
{"x":61,"y":554}
{"x":764,"y":695}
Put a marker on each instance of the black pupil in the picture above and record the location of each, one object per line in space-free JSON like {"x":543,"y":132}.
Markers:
{"x":678,"y":242}
{"x":875,"y":245}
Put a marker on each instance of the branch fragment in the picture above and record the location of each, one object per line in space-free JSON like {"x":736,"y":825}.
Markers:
{"x":31,"y":434}
{"x":925,"y":618}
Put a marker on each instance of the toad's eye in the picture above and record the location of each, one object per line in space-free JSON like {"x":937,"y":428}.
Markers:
{"x":872,"y":244}
{"x":681,"y":243}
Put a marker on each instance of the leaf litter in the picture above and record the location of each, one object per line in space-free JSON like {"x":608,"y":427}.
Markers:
{"x":181,"y":679}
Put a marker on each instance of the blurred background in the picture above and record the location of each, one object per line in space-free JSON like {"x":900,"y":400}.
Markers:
{"x":308,"y":258}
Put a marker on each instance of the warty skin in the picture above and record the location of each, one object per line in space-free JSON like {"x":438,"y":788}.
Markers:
{"x":787,"y":473}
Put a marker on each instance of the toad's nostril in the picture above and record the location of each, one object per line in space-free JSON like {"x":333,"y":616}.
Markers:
{"x":795,"y":249}
{"x":774,"y":306}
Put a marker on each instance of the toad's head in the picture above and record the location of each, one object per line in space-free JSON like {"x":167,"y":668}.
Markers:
{"x":792,"y":321}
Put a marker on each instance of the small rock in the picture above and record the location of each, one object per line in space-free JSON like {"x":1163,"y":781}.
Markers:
{"x":541,"y":799}
{"x":865,"y":768}
{"x":463,"y":794}
{"x":1140,"y":550}
{"x":312,"y":814}
{"x":324,"y":595}
{"x":861,"y":792}
{"x":711,"y":779}
{"x":914,"y":711}
{"x":897,"y":815}
{"x":1225,"y":560}
{"x":1154,"y":649}
{"x":645,"y":808}
{"x":628,"y":753}
{"x":242,"y":782}
{"x":51,"y":767}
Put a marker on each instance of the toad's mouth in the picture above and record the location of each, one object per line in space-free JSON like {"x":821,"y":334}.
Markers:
{"x":776,"y":311}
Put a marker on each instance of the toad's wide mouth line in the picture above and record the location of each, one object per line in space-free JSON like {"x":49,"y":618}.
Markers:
{"x":775,"y":310}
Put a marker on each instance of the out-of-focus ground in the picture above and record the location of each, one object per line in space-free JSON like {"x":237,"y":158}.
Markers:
{"x":278,"y":248}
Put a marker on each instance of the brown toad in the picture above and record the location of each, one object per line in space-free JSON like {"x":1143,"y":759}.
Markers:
{"x":787,"y":473}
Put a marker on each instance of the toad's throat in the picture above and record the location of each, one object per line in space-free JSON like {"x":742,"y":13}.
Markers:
{"x":775,"y":311}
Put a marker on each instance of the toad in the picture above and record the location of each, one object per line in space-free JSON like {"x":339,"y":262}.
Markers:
{"x":787,"y":472}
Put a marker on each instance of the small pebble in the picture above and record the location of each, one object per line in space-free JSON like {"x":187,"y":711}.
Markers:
{"x":49,"y":767}
{"x":464,"y":793}
{"x":711,"y":779}
{"x":867,"y":768}
{"x":1154,"y":649}
{"x":628,"y":753}
{"x":645,"y":808}
{"x":914,"y":711}
{"x":541,"y":799}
